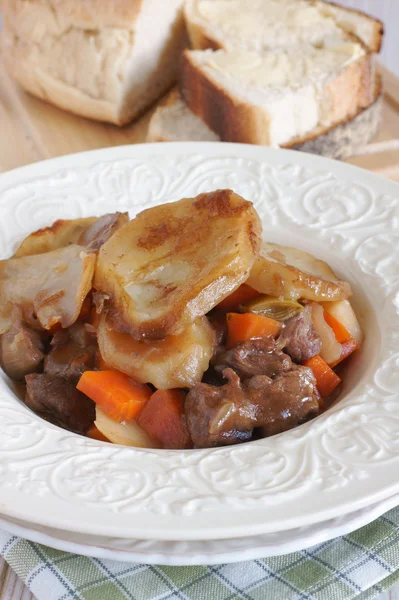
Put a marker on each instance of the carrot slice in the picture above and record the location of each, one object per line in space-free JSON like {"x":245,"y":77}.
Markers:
{"x":326,"y":379}
{"x":347,"y":348}
{"x":163,"y":419}
{"x":341,"y":334}
{"x":240,"y":296}
{"x":95,"y":434}
{"x":116,"y":394}
{"x":243,"y":327}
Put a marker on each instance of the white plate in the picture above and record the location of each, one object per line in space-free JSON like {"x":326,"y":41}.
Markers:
{"x":205,"y":552}
{"x":342,"y":461}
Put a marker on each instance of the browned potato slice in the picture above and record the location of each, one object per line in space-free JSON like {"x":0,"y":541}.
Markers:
{"x":175,"y":262}
{"x":91,"y":232}
{"x":51,"y":286}
{"x":178,"y":361}
{"x":291,"y":273}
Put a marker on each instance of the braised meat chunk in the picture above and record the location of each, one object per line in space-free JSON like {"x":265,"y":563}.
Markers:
{"x":73,"y":351}
{"x":255,"y":357}
{"x":299,"y":337}
{"x":21,"y":349}
{"x":285,"y":402}
{"x":228,"y":414}
{"x":58,"y":401}
{"x":218,"y":416}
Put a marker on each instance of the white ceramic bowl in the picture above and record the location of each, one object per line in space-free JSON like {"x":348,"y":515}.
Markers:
{"x":340,"y":462}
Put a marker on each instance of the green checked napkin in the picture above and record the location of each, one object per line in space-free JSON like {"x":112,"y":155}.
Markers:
{"x":360,"y":565}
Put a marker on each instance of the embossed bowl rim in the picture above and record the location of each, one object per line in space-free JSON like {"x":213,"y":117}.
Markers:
{"x":343,"y":461}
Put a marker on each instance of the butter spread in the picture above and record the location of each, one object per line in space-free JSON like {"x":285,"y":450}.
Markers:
{"x":271,"y":23}
{"x":283,"y":68}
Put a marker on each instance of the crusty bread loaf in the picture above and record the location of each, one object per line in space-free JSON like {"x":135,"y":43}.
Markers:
{"x":275,"y":97}
{"x":261,"y":25}
{"x":174,"y":122}
{"x":102,"y":59}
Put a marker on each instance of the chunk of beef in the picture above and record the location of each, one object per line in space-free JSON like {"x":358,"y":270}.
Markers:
{"x":21,"y":349}
{"x":285,"y":402}
{"x":58,"y":401}
{"x":229,"y":414}
{"x":299,"y":337}
{"x":255,"y":357}
{"x":219,"y":415}
{"x":73,"y":352}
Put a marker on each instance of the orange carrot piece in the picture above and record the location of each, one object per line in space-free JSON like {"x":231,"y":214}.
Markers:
{"x":326,"y":379}
{"x":163,"y":419}
{"x":95,"y":434}
{"x":116,"y":394}
{"x":347,"y":348}
{"x":341,"y":334}
{"x":240,"y":296}
{"x":243,"y":327}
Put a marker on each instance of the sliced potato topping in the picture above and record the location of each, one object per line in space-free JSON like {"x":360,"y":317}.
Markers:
{"x":50,"y":286}
{"x":90,"y":232}
{"x":290,"y":273}
{"x":175,"y":262}
{"x":176,"y":362}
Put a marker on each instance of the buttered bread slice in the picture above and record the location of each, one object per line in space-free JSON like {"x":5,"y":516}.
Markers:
{"x":261,"y":25}
{"x":278,"y":96}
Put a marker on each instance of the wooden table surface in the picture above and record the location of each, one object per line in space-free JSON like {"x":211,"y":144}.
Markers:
{"x":31,"y":130}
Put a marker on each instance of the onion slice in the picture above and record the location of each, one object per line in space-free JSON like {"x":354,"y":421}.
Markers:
{"x":331,"y":349}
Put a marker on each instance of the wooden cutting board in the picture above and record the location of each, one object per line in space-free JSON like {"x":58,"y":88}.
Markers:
{"x":32,"y":130}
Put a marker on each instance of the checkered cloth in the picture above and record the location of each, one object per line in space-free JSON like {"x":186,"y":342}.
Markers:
{"x":360,"y":565}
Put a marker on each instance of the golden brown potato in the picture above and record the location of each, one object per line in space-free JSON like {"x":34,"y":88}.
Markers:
{"x":176,"y":362}
{"x":290,"y":273}
{"x":175,"y":262}
{"x":91,"y":232}
{"x":51,"y":286}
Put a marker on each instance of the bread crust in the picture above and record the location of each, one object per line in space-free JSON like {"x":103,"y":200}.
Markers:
{"x":378,"y":25}
{"x":344,"y":138}
{"x":234,"y":120}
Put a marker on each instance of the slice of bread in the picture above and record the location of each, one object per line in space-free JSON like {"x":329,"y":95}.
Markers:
{"x":103,"y":59}
{"x":273,"y":98}
{"x":261,"y":25}
{"x":174,"y":122}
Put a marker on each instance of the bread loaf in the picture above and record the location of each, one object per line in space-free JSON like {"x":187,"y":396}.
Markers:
{"x":102,"y":59}
{"x":174,"y":122}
